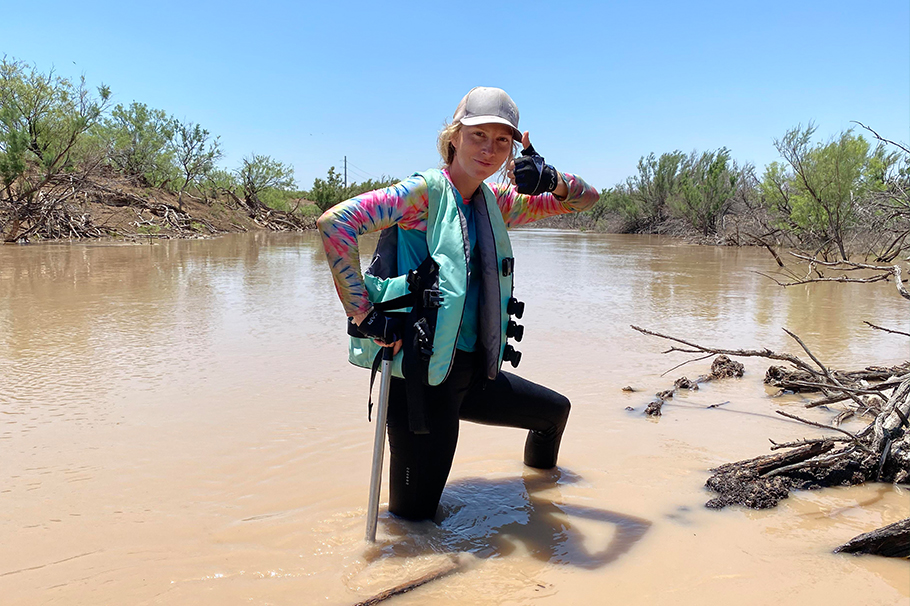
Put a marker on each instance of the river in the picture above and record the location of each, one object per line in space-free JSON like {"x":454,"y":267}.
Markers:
{"x":180,"y":426}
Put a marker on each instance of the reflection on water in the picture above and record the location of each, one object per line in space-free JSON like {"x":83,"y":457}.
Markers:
{"x":502,"y":515}
{"x":178,"y":424}
{"x":496,"y":518}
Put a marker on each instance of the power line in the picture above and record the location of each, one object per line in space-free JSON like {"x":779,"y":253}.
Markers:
{"x":357,"y":173}
{"x":362,"y":171}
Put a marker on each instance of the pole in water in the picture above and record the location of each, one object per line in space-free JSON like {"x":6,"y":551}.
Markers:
{"x":382,"y":413}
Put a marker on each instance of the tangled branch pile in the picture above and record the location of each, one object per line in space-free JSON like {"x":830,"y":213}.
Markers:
{"x":880,"y":452}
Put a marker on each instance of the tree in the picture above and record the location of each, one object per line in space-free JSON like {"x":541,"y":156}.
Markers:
{"x":617,"y":200}
{"x":657,"y":181}
{"x":643,"y":200}
{"x":195,"y":153}
{"x":890,"y":208}
{"x":820,"y":190}
{"x":330,"y":191}
{"x":42,"y":117}
{"x":327,"y":192}
{"x":139,"y":140}
{"x":258,"y":174}
{"x":219,"y":180}
{"x":706,"y":186}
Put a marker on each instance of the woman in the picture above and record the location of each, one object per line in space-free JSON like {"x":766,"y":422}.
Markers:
{"x":444,"y":257}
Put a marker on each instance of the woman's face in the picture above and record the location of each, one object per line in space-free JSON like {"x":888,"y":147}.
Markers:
{"x":481,"y":150}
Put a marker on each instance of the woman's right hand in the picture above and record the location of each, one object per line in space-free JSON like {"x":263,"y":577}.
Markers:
{"x":379,"y":326}
{"x":531,"y":175}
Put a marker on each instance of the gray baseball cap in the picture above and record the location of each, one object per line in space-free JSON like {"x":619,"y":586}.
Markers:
{"x":486,"y":105}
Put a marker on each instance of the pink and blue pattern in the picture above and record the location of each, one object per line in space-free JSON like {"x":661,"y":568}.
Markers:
{"x":405,"y":204}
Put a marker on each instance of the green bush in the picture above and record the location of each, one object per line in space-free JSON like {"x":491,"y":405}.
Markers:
{"x":820,"y":191}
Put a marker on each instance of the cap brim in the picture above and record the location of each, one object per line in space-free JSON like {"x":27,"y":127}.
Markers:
{"x":478,"y":120}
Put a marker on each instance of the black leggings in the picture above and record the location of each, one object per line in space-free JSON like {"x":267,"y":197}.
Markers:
{"x":420,"y":463}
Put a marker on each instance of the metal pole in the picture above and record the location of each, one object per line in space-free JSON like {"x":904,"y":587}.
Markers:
{"x":382,"y":413}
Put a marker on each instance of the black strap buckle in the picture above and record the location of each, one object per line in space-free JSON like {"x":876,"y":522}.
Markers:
{"x":413,"y":280}
{"x":508,"y":266}
{"x":511,"y":355}
{"x":515,"y":308}
{"x":514,"y":330}
{"x":424,"y":339}
{"x":432,"y":298}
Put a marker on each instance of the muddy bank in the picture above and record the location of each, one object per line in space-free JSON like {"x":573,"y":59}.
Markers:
{"x":118,"y":208}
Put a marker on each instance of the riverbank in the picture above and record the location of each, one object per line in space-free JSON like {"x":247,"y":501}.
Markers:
{"x":99,"y":206}
{"x":118,"y":208}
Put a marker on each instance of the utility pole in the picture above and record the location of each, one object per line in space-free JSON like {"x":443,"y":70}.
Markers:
{"x":345,"y":171}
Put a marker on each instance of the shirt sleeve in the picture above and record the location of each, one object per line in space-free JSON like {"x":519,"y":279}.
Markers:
{"x":520,"y":209}
{"x":403,"y":204}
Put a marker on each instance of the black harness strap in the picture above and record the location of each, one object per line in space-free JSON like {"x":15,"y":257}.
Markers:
{"x":377,"y":362}
{"x":396,"y":303}
{"x":419,"y":331}
{"x":424,"y":299}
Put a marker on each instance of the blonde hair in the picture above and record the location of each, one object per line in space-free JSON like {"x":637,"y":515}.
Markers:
{"x":447,"y":150}
{"x":444,"y":142}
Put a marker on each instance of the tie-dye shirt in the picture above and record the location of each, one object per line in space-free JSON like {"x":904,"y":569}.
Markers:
{"x":405,"y":204}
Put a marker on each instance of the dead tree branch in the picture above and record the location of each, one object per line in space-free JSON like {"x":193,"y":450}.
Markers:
{"x":824,"y":369}
{"x":890,"y":541}
{"x":896,"y":332}
{"x":852,"y":436}
{"x":744,"y":353}
{"x":805,"y":441}
{"x":894,"y":270}
{"x":447,"y":567}
{"x":880,"y":138}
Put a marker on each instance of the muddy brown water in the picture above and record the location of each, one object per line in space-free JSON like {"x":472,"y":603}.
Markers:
{"x":179,"y":425}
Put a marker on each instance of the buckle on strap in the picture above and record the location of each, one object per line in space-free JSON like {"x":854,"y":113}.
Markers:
{"x":432,"y":298}
{"x":424,"y":338}
{"x":508,"y":266}
{"x":413,"y":280}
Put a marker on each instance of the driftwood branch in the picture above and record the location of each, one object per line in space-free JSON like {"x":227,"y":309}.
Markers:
{"x":704,"y":357}
{"x":843,"y":388}
{"x":803,"y":442}
{"x":744,"y":353}
{"x":824,"y":368}
{"x":445,"y":568}
{"x":842,"y":279}
{"x":896,"y":332}
{"x":817,"y":462}
{"x":892,"y":541}
{"x":855,"y":380}
{"x":814,"y":424}
{"x":894,"y":270}
{"x":880,"y":452}
{"x":771,"y":250}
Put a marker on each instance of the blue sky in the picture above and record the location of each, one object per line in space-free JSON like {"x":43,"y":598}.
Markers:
{"x":598,"y":84}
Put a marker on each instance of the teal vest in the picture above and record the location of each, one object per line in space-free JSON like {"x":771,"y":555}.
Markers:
{"x":447,"y":241}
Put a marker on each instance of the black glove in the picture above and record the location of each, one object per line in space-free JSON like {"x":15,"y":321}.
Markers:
{"x":381,"y":327}
{"x":533,"y":175}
